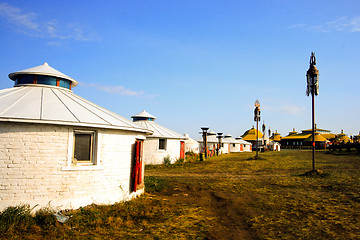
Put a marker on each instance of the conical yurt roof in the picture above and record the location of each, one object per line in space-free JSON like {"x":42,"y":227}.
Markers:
{"x":158,"y":130}
{"x":250,"y":135}
{"x":318,"y":138}
{"x":143,"y":114}
{"x":293,"y":132}
{"x":210,"y":138}
{"x":45,"y":104}
{"x":343,"y":138}
{"x":276,"y":137}
{"x":228,"y":139}
{"x":44,"y":69}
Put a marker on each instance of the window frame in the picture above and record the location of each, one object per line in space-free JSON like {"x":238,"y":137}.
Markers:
{"x":165,"y":144}
{"x":95,"y":165}
{"x":92,"y":161}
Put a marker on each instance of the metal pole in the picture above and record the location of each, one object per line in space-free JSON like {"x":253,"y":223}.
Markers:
{"x":257,"y":141}
{"x":313,"y":130}
{"x":205,"y":143}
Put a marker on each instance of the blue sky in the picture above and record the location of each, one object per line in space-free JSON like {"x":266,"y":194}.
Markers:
{"x":196,"y":63}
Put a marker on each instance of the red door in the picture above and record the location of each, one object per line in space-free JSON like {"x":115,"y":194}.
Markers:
{"x":241,"y":148}
{"x":182,"y":150}
{"x":137,"y":167}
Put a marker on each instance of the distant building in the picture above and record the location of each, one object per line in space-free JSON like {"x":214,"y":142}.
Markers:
{"x":59,"y":149}
{"x":228,"y":144}
{"x":304,"y":139}
{"x":162,"y":143}
{"x":250,"y":136}
{"x":212,"y":143}
{"x":276,"y":137}
{"x":237,"y":145}
{"x":274,"y":146}
{"x":356,"y":138}
{"x":342,"y":138}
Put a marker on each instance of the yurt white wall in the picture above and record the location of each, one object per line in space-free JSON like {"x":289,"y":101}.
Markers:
{"x":191,"y":145}
{"x":247,"y":148}
{"x":235,"y":147}
{"x":154,"y":155}
{"x":36,"y":166}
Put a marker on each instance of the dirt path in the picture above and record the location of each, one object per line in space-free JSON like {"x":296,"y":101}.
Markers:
{"x":225,"y":210}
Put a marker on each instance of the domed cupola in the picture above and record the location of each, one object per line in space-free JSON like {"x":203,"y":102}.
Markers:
{"x":42,"y":75}
{"x":143,"y":116}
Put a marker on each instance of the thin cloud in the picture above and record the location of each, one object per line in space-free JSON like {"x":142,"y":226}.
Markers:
{"x":119,"y":90}
{"x":28,"y":23}
{"x":300,"y":25}
{"x":292,"y":110}
{"x":342,"y":24}
{"x":16,"y":17}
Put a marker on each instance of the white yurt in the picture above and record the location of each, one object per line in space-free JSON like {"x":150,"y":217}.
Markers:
{"x":212,"y":143}
{"x":228,"y":143}
{"x":233,"y":145}
{"x":274,"y":146}
{"x":243,"y":146}
{"x":61,"y":150}
{"x":163,"y":143}
{"x":191,"y":145}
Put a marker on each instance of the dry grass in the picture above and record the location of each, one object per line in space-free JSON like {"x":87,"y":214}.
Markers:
{"x":227,"y":197}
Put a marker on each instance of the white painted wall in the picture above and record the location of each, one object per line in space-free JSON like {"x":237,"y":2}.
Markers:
{"x":235,"y":147}
{"x":247,"y":148}
{"x":154,"y":155}
{"x":35,"y":167}
{"x":191,"y":145}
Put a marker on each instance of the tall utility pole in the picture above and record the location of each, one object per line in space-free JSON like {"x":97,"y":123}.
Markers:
{"x":312,"y":77}
{"x":257,"y":119}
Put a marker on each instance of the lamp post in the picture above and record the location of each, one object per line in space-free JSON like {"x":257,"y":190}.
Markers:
{"x":257,"y":119}
{"x":219,"y":137}
{"x":263,"y":129}
{"x":312,"y":77}
{"x":204,"y":134}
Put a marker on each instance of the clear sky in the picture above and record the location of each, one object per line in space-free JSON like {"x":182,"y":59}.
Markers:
{"x":196,"y":63}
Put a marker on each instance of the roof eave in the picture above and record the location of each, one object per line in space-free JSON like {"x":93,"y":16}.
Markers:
{"x":64,"y":123}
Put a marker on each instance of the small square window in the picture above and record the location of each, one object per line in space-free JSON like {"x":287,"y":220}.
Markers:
{"x":162,"y":144}
{"x":84,"y":147}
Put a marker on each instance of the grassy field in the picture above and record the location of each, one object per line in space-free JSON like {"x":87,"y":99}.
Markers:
{"x":231,"y":196}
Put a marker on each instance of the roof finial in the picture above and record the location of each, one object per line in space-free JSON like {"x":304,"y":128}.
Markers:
{"x":312,"y":59}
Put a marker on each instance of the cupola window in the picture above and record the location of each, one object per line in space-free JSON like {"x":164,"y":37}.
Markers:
{"x":42,"y":79}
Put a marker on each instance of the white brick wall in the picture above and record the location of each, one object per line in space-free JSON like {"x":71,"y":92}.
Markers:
{"x":35,"y":167}
{"x":154,"y":155}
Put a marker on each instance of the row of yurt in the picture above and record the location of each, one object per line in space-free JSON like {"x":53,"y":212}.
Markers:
{"x":212,"y":143}
{"x":227,"y":144}
{"x":60,"y":149}
{"x":163,"y":143}
{"x":236,"y":145}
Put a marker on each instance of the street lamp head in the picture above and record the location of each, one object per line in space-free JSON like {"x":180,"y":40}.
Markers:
{"x":219,"y":134}
{"x":312,"y":77}
{"x":205,"y":128}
